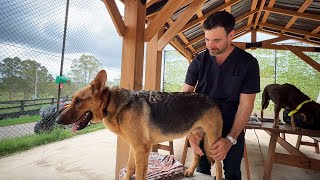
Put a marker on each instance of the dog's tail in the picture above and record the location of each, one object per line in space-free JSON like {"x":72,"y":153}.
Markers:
{"x":265,"y":100}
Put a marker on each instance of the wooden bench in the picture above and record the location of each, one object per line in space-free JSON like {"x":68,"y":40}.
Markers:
{"x":315,"y":144}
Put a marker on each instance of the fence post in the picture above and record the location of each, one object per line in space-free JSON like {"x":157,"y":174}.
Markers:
{"x":22,"y":107}
{"x":52,"y":101}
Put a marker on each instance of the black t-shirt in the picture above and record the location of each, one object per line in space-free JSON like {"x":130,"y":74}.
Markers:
{"x":239,"y":73}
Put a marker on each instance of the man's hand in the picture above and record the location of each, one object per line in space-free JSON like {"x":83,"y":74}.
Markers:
{"x":194,"y":141}
{"x":220,"y":149}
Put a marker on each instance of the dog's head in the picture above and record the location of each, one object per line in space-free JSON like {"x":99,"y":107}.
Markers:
{"x":310,"y":112}
{"x":87,"y":104}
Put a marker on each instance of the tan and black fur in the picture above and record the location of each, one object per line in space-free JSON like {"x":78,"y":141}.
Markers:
{"x":288,"y":96}
{"x":145,"y":118}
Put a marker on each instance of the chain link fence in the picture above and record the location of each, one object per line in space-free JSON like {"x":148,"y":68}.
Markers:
{"x":31,"y":50}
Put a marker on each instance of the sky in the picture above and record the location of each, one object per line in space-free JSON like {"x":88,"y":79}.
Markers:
{"x":34,"y":30}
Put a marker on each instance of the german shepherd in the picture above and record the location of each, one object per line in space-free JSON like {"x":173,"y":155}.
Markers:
{"x":145,"y":118}
{"x":288,"y":96}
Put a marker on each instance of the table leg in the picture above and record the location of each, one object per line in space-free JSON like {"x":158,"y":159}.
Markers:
{"x":270,"y":158}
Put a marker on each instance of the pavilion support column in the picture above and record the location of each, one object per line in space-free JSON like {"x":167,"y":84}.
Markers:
{"x":153,"y":64}
{"x":132,"y":63}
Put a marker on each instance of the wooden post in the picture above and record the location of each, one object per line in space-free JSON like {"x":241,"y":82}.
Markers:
{"x":132,"y":62}
{"x":153,"y":64}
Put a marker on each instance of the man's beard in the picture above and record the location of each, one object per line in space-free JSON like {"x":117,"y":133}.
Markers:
{"x":217,"y":51}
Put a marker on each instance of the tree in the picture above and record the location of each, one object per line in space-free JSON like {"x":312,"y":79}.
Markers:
{"x":28,"y":77}
{"x":84,"y":69}
{"x":10,"y":75}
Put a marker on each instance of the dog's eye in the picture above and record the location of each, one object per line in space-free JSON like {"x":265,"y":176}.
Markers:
{"x":78,"y":101}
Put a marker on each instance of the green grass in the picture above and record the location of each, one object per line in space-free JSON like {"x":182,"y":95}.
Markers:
{"x":21,"y":120}
{"x":14,"y":145}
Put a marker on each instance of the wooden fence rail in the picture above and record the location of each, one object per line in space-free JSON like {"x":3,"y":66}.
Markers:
{"x":14,"y":109}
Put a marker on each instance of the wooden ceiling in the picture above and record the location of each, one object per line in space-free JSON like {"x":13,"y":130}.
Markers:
{"x":182,"y":21}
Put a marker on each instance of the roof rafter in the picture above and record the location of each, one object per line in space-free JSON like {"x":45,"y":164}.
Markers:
{"x":253,"y":7}
{"x":291,"y":30}
{"x":293,"y":13}
{"x":266,"y":14}
{"x":183,"y":18}
{"x":116,"y":17}
{"x":259,"y":14}
{"x":160,"y":19}
{"x":304,"y":6}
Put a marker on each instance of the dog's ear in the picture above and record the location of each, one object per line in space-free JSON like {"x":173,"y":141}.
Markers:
{"x":98,"y":84}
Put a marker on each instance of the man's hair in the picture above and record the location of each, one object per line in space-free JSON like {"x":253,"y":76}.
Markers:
{"x":220,"y":19}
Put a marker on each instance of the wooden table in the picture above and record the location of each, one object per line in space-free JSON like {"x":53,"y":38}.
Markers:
{"x":295,"y":157}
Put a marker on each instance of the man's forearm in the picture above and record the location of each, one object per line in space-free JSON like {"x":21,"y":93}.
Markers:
{"x":244,"y":111}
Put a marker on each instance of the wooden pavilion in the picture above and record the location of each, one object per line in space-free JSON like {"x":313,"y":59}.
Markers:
{"x":178,"y":23}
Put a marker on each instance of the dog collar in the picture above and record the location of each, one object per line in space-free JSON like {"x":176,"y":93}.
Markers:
{"x":298,"y":107}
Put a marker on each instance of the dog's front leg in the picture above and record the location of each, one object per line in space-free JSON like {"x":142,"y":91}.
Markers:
{"x":142,"y":156}
{"x":276,"y":116}
{"x":130,"y":165}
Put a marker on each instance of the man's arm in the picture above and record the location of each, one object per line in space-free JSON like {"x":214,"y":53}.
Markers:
{"x":220,"y":148}
{"x":187,"y":88}
{"x":244,"y":111}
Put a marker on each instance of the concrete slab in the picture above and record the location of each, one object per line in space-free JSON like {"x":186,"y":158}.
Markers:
{"x":92,"y":156}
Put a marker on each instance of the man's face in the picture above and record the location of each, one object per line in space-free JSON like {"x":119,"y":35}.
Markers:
{"x":217,"y":40}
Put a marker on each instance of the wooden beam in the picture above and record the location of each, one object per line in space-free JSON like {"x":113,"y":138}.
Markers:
{"x":243,"y":45}
{"x":205,"y":16}
{"x":115,"y":16}
{"x":315,"y":31}
{"x":304,"y":57}
{"x":294,"y":31}
{"x":161,"y":18}
{"x":132,"y":63}
{"x":297,"y":161}
{"x":199,"y":13}
{"x":253,"y":7}
{"x":266,"y":14}
{"x":153,"y":64}
{"x":294,"y":18}
{"x":289,"y":37}
{"x":183,"y":18}
{"x":259,"y":14}
{"x":183,"y":51}
{"x":228,"y":9}
{"x":150,"y":2}
{"x":274,"y":40}
{"x":312,"y":17}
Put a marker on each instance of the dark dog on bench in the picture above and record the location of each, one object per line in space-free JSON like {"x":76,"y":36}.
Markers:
{"x":290,"y":97}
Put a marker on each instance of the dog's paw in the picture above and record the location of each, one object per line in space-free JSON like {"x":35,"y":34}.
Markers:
{"x":188,"y":173}
{"x":276,"y":126}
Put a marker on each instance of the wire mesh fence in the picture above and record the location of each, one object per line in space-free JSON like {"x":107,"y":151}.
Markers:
{"x":31,"y":47}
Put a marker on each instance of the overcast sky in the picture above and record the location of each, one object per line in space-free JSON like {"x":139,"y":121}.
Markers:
{"x":34,"y":30}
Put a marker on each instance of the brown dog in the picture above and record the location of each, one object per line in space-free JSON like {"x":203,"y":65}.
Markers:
{"x":290,"y":97}
{"x":145,"y":118}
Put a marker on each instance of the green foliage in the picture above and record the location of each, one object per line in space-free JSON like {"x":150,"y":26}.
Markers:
{"x":28,"y":77}
{"x":83,"y":70}
{"x":21,"y":120}
{"x":175,"y":72}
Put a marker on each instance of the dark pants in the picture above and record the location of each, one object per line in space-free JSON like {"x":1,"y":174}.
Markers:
{"x":231,"y":164}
